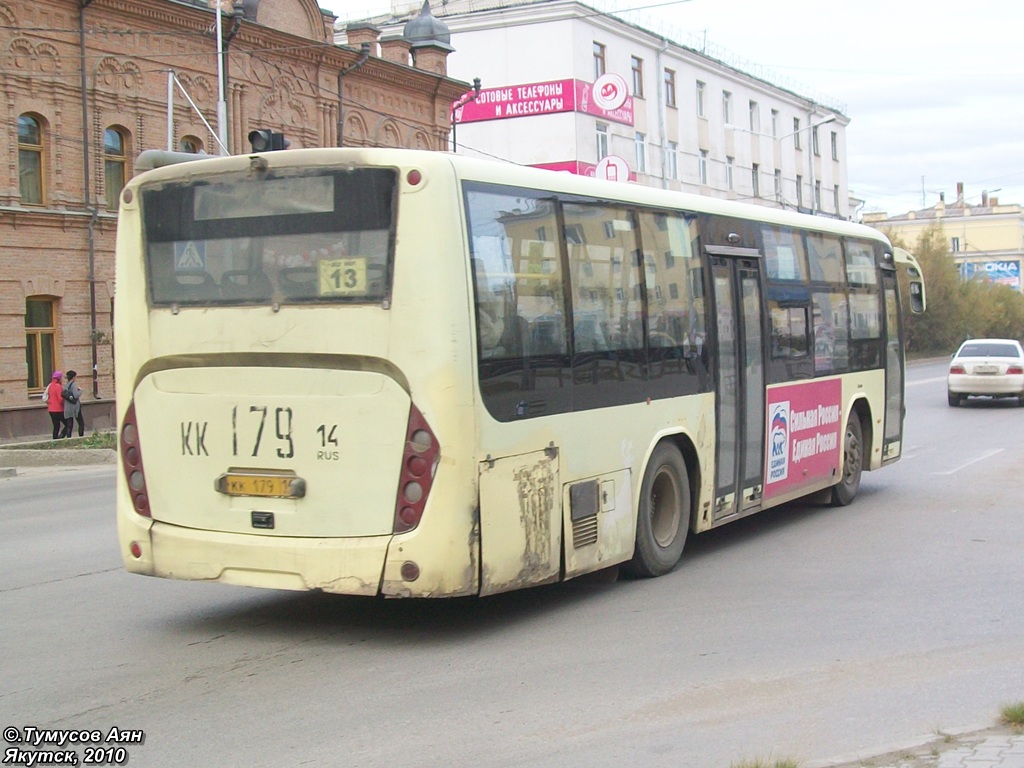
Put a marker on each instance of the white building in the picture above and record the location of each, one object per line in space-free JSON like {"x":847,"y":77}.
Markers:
{"x":688,"y":122}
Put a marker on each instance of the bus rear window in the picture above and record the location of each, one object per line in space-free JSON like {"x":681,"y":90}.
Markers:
{"x":288,"y":238}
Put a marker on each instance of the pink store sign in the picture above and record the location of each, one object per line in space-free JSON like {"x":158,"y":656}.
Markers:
{"x":577,"y":167}
{"x":532,"y":99}
{"x":804,"y":435}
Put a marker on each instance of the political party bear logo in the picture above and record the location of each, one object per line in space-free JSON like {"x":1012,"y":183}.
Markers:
{"x":778,"y":442}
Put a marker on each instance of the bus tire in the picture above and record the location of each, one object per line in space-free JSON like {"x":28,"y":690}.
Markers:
{"x":845,"y":491}
{"x":663,"y":518}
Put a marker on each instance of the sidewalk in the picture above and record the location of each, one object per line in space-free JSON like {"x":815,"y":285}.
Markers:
{"x":19,"y":454}
{"x":1000,"y":746}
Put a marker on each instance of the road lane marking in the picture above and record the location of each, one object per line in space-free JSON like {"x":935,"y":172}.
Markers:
{"x":983,"y":456}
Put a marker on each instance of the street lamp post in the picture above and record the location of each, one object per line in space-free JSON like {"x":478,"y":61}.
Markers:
{"x":814,"y":191}
{"x":460,"y":102}
{"x":809,"y":127}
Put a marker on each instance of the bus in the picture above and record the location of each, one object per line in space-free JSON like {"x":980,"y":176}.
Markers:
{"x":400,"y":373}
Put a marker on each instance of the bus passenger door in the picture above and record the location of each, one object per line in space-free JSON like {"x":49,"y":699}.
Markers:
{"x":739,"y":382}
{"x":892,"y":445}
{"x":520,"y":521}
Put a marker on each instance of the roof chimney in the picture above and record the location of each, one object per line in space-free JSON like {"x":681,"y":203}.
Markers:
{"x":960,"y":194}
{"x":984,"y":198}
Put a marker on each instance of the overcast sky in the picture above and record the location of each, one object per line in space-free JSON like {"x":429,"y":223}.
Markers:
{"x":933,"y":90}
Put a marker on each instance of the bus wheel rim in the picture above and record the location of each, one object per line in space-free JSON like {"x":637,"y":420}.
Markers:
{"x":664,"y":508}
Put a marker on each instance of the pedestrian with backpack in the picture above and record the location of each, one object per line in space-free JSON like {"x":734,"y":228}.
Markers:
{"x":55,"y":402}
{"x":72,"y":396}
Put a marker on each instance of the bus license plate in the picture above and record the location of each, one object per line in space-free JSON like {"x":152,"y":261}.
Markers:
{"x":284,"y":486}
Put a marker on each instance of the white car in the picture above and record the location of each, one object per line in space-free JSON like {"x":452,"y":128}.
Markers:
{"x":987,"y":367}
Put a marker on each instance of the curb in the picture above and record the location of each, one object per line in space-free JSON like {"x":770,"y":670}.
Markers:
{"x":66,"y":457}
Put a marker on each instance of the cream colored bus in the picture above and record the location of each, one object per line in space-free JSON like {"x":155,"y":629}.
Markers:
{"x":410,"y":374}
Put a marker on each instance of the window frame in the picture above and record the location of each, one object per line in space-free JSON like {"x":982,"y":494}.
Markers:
{"x":640,"y":143}
{"x":701,"y":87}
{"x":600,"y":59}
{"x":37,"y":364}
{"x":637,"y":65}
{"x":702,"y":167}
{"x":37,"y":152}
{"x":601,"y":140}
{"x":113,"y":162}
{"x":670,"y":87}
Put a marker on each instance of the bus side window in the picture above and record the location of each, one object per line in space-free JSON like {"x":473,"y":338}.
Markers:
{"x":517,"y":276}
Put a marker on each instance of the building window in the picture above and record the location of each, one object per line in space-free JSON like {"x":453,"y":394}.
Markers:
{"x":954,"y":244}
{"x":30,"y":159}
{"x":602,"y":141}
{"x":599,"y":68}
{"x":673,"y":160}
{"x":190,"y":144}
{"x":755,"y":183}
{"x":40,"y":342}
{"x":755,"y":117}
{"x":835,"y":198}
{"x":638,"y":76}
{"x":775,"y":122}
{"x":778,"y":185}
{"x":641,"y":152}
{"x":796,"y":133}
{"x":817,"y":196}
{"x":814,"y":141}
{"x":113,"y":165}
{"x":728,"y":172}
{"x":835,"y":145}
{"x":670,"y":88}
{"x":800,"y":191}
{"x":726,"y":107}
{"x":702,"y":167}
{"x":700,"y":99}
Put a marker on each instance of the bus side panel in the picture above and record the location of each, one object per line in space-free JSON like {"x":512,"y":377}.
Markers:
{"x":520,"y":525}
{"x":431,"y":341}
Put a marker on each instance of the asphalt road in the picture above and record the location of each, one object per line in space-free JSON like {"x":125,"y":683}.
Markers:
{"x":803,"y":633}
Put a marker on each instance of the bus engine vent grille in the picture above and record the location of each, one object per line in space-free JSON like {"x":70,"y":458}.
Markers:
{"x":584,"y":505}
{"x":584,"y":532}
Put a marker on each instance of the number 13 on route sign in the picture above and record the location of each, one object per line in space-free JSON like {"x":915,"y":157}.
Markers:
{"x":342,"y":277}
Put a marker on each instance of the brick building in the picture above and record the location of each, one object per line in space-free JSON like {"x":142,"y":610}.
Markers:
{"x":88,"y":84}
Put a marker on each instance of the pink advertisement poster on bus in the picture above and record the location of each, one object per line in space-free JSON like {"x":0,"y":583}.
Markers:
{"x":804,"y":434}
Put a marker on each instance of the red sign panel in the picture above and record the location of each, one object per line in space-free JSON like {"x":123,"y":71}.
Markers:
{"x":804,"y":434}
{"x":531,"y":99}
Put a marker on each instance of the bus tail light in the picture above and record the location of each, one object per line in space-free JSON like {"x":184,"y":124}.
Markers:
{"x":131,"y":460}
{"x":419,"y":463}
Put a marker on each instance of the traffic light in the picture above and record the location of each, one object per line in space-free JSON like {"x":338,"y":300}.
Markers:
{"x":264,"y":140}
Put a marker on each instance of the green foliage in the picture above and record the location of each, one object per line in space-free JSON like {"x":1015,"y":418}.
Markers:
{"x":957,"y":309}
{"x":1013,"y":714}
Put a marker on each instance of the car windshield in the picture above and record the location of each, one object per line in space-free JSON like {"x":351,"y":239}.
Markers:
{"x":988,"y":349}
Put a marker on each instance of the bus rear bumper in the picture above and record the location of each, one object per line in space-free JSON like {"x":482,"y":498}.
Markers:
{"x":270,"y":562}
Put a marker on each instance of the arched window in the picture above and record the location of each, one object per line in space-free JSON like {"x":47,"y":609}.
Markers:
{"x":30,"y":159}
{"x":113,"y":165}
{"x":190,"y":144}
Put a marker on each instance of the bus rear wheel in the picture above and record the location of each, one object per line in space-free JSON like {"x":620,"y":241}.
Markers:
{"x":663,"y":519}
{"x":845,"y":491}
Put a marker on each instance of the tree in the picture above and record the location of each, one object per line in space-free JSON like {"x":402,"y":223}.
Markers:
{"x":957,"y":309}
